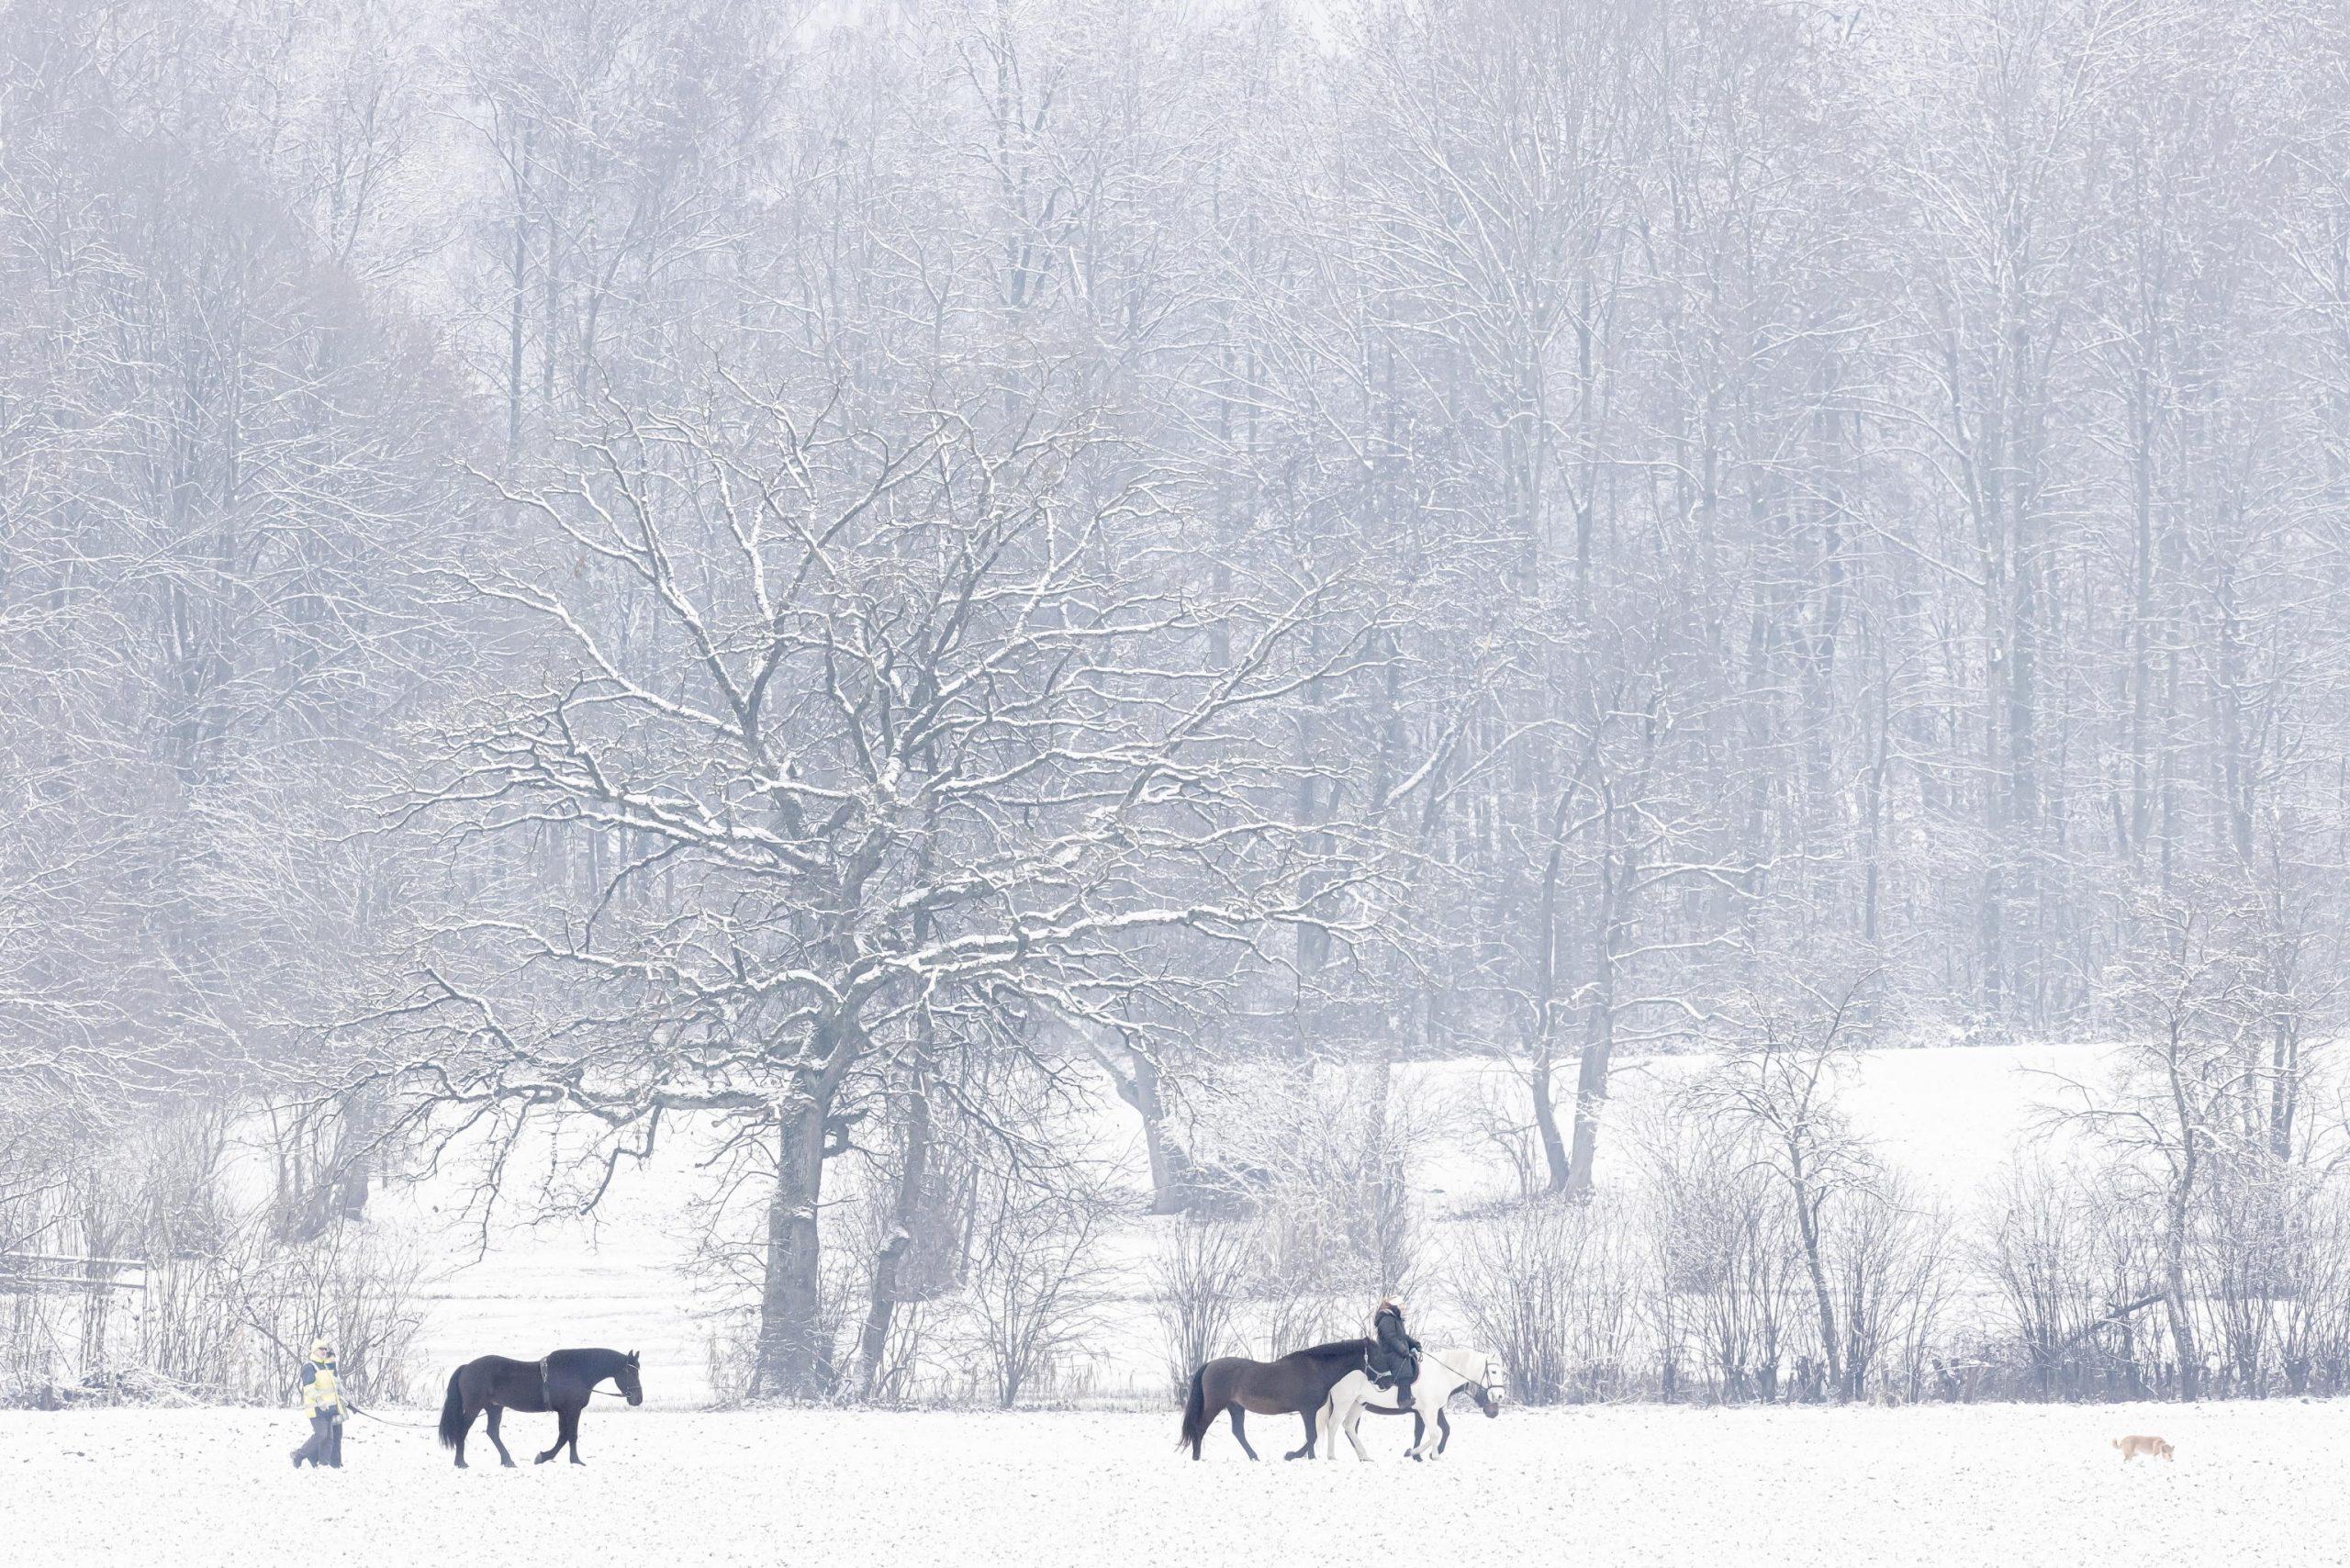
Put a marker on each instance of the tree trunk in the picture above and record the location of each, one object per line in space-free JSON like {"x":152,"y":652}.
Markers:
{"x":518,"y":285}
{"x":1824,"y":1300}
{"x":1170,"y":1169}
{"x":1134,"y":1073}
{"x":2182,"y":1333}
{"x":1557,"y":1167}
{"x":794,"y":1363}
{"x":358,"y":1126}
{"x":2182,"y":1326}
{"x":1591,"y":1094}
{"x":1599,"y":1046}
{"x":888,"y":1264}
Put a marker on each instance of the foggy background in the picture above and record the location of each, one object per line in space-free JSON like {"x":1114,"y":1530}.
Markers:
{"x":863,"y":590}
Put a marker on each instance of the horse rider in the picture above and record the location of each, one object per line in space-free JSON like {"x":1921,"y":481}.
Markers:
{"x":324,"y":1402}
{"x":1394,"y":1360}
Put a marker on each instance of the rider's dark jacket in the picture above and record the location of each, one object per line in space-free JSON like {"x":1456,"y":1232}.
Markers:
{"x":1393,"y":1359}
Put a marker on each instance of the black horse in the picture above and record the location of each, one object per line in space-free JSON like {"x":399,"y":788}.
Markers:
{"x":1298,"y":1383}
{"x":560,"y":1383}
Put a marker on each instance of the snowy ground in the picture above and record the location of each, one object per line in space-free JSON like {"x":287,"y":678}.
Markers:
{"x":2010,"y":1486}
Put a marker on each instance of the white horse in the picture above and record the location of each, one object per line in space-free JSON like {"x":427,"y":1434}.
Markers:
{"x":1443,"y":1373}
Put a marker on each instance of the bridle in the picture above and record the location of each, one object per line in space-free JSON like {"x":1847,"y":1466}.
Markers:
{"x":620,"y":1391}
{"x":1492,"y":1390}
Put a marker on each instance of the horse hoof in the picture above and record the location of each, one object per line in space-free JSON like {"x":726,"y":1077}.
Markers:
{"x":505,"y":1465}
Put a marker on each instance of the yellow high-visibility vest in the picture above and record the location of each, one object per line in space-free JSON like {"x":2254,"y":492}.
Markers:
{"x":319,"y":1389}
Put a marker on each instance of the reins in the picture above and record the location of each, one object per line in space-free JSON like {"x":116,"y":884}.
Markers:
{"x":1483,"y":1381}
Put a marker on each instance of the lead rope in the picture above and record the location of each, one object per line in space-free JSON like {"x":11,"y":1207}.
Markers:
{"x":411,"y":1426}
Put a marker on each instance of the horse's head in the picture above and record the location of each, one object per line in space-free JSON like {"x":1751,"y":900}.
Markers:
{"x":625,"y":1375}
{"x":1487,"y":1389}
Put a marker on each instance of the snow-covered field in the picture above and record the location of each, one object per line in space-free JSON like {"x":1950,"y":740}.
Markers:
{"x":1990,"y":1485}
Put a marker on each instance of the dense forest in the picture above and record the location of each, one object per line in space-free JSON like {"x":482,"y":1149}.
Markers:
{"x":819,"y":573}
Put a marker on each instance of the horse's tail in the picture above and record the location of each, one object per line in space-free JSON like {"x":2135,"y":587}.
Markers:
{"x":1195,"y":1411}
{"x":453,"y":1413}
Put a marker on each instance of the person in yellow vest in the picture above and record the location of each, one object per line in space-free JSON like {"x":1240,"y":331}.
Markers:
{"x":323,"y":1402}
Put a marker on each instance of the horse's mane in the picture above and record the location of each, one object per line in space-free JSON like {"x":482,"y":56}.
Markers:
{"x":1333,"y":1350}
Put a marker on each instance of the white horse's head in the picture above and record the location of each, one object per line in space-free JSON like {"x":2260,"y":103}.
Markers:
{"x":1477,"y":1373}
{"x":1489,"y":1383}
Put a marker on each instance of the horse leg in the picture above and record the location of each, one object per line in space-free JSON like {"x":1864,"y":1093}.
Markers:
{"x":505,"y":1459}
{"x":1342,"y":1416}
{"x":1429,"y":1442}
{"x":462,"y":1431}
{"x":570,"y":1433}
{"x":1238,"y":1434}
{"x":1307,"y":1451}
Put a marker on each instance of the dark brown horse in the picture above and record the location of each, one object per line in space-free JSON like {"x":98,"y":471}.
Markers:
{"x":561,"y":1383}
{"x":1299,"y":1383}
